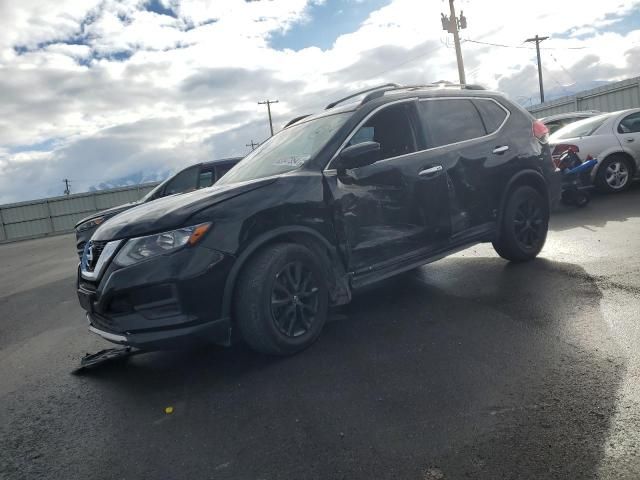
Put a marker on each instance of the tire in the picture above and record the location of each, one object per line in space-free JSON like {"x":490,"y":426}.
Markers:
{"x":281,"y":300}
{"x":614,"y":174}
{"x":524,"y":226}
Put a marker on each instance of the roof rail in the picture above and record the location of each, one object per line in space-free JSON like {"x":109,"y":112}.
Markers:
{"x":295,"y":120}
{"x":386,"y":86}
{"x":379,"y":93}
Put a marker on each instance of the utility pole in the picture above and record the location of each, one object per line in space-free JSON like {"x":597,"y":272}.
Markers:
{"x":538,"y":39}
{"x":454,"y":27}
{"x":253,"y":145}
{"x":67,"y":187}
{"x":268,"y":104}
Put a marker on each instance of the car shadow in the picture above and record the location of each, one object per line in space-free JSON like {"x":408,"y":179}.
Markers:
{"x":602,"y":209}
{"x":468,"y":367}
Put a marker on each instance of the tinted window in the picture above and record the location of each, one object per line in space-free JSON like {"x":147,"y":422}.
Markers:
{"x":206,"y":179}
{"x":630,"y":124}
{"x":492,"y":114}
{"x":184,"y":181}
{"x":222,"y":169}
{"x":450,"y":121}
{"x":392,"y":128}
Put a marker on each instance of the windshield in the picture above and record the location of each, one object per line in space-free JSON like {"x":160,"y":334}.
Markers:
{"x":287,"y":150}
{"x":581,"y":128}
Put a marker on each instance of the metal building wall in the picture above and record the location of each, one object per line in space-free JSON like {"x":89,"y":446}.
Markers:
{"x":50,"y":216}
{"x":609,"y":98}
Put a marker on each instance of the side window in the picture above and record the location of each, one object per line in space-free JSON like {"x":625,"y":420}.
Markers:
{"x":450,"y":121}
{"x":392,"y":128}
{"x":221,"y":170}
{"x":365,"y":134}
{"x":630,"y":124}
{"x":205,"y":179}
{"x":554,"y":126}
{"x":184,"y":181}
{"x":492,"y":114}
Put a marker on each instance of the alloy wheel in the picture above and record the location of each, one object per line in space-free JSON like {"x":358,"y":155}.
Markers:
{"x":294,"y":299}
{"x":617,"y":175}
{"x":529,"y":224}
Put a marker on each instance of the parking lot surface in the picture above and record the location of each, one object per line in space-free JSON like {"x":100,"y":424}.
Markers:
{"x":466,"y":368}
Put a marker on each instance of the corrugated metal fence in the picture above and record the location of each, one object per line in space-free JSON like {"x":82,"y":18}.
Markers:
{"x":49,"y":216}
{"x":609,"y":98}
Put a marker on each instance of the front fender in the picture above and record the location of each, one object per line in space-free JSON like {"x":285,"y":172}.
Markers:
{"x":259,"y":242}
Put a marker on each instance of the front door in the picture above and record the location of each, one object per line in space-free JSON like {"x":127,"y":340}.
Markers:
{"x":388,"y":211}
{"x":628,"y":132}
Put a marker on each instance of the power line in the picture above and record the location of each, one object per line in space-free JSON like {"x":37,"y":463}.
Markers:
{"x":520,"y":46}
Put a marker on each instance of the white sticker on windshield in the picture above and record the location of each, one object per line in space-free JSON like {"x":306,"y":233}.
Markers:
{"x":292,"y":161}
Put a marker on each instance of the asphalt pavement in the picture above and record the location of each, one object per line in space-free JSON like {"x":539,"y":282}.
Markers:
{"x":466,"y":368}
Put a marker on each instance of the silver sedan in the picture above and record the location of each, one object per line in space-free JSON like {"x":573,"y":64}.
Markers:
{"x":613,"y":139}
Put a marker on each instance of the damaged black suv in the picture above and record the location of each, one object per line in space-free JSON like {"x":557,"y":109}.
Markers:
{"x":378,"y":183}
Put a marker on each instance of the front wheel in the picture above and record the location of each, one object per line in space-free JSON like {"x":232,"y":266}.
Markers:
{"x":281,"y":300}
{"x":524,"y":226}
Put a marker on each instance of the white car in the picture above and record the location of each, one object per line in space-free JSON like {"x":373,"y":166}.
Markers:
{"x":556,"y":122}
{"x":612,"y":138}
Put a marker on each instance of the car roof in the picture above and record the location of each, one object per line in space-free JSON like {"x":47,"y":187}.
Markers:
{"x":387,"y":94}
{"x":560,"y":116}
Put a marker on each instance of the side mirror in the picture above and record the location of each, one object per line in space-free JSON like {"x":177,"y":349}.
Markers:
{"x":359,"y":155}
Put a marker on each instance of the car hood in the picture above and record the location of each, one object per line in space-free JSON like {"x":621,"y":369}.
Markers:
{"x":171,"y":212}
{"x":109,"y":212}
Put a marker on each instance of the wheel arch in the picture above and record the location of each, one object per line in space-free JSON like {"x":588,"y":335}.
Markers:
{"x":616,"y":153}
{"x":339,"y":288}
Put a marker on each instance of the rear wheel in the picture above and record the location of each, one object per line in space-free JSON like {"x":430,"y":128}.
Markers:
{"x":524,"y":225}
{"x":614,"y":175}
{"x":282,"y":300}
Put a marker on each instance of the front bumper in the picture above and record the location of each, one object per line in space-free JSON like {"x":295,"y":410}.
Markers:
{"x":216,"y":331}
{"x":170,"y":301}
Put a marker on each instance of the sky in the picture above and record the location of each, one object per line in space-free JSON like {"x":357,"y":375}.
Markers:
{"x":104,"y":91}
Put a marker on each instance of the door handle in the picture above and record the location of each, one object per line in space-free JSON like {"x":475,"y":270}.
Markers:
{"x":500,"y":150}
{"x":629,"y":140}
{"x":430,"y":170}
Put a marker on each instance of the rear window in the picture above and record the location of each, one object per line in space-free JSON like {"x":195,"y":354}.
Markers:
{"x":581,"y":128}
{"x":492,"y":114}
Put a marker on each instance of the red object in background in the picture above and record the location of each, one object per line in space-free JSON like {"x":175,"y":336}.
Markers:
{"x":540,"y":131}
{"x":560,"y":149}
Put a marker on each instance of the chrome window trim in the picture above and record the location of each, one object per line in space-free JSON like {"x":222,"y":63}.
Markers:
{"x":360,"y":124}
{"x":109,"y":249}
{"x":332,"y":171}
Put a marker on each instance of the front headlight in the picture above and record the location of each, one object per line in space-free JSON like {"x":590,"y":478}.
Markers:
{"x":94,"y":222}
{"x":142,"y":248}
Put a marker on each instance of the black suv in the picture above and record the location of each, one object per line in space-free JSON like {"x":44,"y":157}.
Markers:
{"x":196,"y":176}
{"x":333,"y":202}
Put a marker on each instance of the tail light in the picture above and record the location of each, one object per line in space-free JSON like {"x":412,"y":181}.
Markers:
{"x":540,"y":131}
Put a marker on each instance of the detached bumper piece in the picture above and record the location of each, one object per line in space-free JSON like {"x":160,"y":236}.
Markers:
{"x":110,"y":355}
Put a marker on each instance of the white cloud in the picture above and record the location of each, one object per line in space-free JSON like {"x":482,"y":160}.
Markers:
{"x":137,"y":90}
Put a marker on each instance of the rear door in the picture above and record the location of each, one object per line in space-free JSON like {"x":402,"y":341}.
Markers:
{"x":462,"y":137}
{"x":628,"y":133}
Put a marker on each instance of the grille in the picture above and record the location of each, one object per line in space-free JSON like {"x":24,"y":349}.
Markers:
{"x":97,"y":247}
